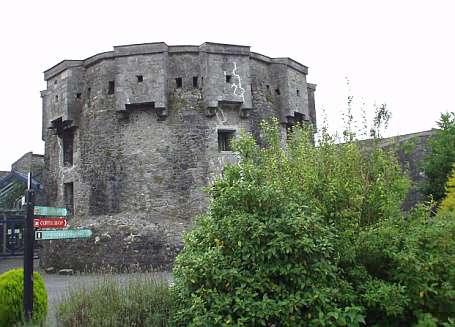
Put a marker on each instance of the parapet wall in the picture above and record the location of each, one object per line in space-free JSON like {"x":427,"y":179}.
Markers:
{"x":142,"y":130}
{"x":205,"y":67}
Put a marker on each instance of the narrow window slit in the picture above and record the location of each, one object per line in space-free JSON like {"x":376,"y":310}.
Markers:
{"x":111,"y":87}
{"x":68,"y":146}
{"x":178,"y":82}
{"x":69,"y":197}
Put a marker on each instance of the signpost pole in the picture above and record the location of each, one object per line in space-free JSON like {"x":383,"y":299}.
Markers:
{"x":28,"y":253}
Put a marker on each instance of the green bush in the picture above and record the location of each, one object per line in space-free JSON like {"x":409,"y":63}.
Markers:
{"x":314,"y":236}
{"x":274,"y":264}
{"x":438,"y":163}
{"x":11,"y":298}
{"x":269,"y":251}
{"x":404,"y":270}
{"x":140,"y":302}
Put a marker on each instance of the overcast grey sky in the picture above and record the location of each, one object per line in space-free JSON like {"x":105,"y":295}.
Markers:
{"x":397,"y":52}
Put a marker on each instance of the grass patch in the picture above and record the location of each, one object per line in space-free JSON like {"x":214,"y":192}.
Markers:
{"x":142,"y":301}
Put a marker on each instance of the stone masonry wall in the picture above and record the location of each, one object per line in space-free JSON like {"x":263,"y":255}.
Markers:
{"x":411,"y":149}
{"x":145,"y":147}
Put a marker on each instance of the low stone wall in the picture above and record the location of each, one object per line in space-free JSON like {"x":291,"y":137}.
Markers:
{"x":120,"y":243}
{"x":411,"y":150}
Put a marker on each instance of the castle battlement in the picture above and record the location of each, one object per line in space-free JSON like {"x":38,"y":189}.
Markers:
{"x":159,"y":47}
{"x":146,"y":74}
{"x":145,"y":128}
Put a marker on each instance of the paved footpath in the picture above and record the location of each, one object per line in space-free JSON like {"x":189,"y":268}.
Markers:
{"x":58,"y":285}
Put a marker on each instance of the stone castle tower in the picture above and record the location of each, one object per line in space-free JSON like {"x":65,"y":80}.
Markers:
{"x":143,"y":129}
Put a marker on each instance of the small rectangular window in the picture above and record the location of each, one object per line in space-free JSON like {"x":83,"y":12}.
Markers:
{"x":267,"y":87}
{"x":89,"y":90}
{"x":299,"y":118}
{"x":78,"y":95}
{"x":224,"y":140}
{"x":277,"y":91}
{"x":56,"y":98}
{"x":111,"y":87}
{"x":195,"y":82}
{"x":139,"y":78}
{"x":298,"y":93}
{"x":178,"y":82}
{"x":228,"y":78}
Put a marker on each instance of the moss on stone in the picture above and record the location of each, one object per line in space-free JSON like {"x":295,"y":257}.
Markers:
{"x":119,"y":154}
{"x":177,"y":102}
{"x":158,"y":179}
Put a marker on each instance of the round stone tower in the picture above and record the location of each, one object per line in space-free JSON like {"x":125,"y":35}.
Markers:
{"x":133,"y":137}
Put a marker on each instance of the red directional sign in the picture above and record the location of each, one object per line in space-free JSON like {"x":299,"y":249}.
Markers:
{"x":57,"y":222}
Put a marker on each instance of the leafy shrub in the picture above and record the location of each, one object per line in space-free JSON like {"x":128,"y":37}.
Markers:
{"x":140,"y":302}
{"x":314,"y":236}
{"x":267,"y":254}
{"x":262,"y":264}
{"x":405,"y":270}
{"x":448,"y":203}
{"x":12,"y":297}
{"x":438,"y":164}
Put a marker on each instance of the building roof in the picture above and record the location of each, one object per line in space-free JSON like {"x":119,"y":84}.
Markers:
{"x":19,"y":177}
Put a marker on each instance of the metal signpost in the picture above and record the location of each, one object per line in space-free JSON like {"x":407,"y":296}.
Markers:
{"x":28,"y":253}
{"x":42,"y":217}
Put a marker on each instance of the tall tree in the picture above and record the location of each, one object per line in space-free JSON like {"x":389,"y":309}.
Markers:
{"x":437,"y":166}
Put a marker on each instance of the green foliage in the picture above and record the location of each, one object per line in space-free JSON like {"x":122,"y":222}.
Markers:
{"x":313,"y":236}
{"x":281,"y":228}
{"x":273,"y":265}
{"x":448,"y":203}
{"x":438,"y":164}
{"x":11,"y":298}
{"x":404,"y":270}
{"x":141,"y":302}
{"x":177,"y":102}
{"x":409,"y":146}
{"x":8,"y":201}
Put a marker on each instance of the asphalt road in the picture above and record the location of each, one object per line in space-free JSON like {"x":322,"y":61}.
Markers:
{"x":58,"y":285}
